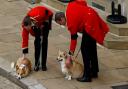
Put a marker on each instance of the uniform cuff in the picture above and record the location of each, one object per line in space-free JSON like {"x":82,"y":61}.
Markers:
{"x":71,"y":53}
{"x":24,"y":51}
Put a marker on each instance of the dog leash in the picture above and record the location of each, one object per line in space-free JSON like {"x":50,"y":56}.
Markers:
{"x":77,"y":53}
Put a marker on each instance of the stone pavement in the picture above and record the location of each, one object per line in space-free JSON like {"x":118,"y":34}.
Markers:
{"x":6,"y":84}
{"x":113,"y":63}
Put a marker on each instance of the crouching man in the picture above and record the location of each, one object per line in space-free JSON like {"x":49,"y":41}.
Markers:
{"x":37,"y":22}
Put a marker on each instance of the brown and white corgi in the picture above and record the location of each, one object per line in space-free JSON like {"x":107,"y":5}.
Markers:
{"x":23,"y":67}
{"x":74,"y":71}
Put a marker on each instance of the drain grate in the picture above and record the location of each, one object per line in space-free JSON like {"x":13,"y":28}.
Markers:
{"x":120,"y":87}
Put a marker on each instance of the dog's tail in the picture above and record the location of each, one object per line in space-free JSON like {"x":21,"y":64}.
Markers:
{"x":13,"y":64}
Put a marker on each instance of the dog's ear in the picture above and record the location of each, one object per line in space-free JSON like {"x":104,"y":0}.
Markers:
{"x":59,"y":51}
{"x":65,"y":53}
{"x":17,"y":67}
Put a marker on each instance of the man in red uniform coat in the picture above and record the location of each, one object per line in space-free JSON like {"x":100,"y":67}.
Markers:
{"x":81,"y":18}
{"x":37,"y":22}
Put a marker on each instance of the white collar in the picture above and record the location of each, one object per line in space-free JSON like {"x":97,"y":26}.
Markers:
{"x":22,"y":66}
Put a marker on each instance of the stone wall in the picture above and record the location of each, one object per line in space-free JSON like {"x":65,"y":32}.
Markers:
{"x":36,"y":1}
{"x":105,"y":5}
{"x":125,"y":13}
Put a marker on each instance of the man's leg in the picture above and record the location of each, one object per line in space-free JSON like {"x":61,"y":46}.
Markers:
{"x":37,"y":45}
{"x":86,"y":55}
{"x":94,"y":60}
{"x":90,"y":59}
{"x":45,"y":47}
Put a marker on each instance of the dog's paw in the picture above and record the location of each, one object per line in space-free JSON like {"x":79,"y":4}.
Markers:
{"x":66,"y":77}
{"x":69,"y":78}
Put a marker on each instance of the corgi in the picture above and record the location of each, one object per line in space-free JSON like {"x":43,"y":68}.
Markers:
{"x":74,"y":71}
{"x":23,"y":67}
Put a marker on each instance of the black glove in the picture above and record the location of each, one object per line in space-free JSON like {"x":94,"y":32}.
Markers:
{"x":25,"y":51}
{"x":71,"y":53}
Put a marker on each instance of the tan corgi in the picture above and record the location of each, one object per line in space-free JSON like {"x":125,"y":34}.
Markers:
{"x":74,"y":71}
{"x":23,"y":67}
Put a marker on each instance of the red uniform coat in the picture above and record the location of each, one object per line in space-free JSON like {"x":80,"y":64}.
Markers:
{"x":81,"y":17}
{"x":38,"y":13}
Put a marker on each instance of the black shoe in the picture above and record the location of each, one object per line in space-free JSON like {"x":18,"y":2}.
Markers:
{"x":94,"y":75}
{"x":36,"y":68}
{"x":84,"y":79}
{"x":44,"y":68}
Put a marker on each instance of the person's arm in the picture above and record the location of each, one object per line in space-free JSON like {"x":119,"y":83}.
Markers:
{"x":50,"y":22}
{"x":25,"y":37}
{"x":73,"y":43}
{"x":72,"y":27}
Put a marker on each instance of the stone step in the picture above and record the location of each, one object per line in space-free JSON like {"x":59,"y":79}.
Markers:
{"x":56,"y":4}
{"x":116,"y":42}
{"x":36,"y":1}
{"x":119,"y":29}
{"x":112,"y":41}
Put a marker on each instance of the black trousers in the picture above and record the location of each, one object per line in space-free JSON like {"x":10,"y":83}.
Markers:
{"x":41,"y":43}
{"x":89,"y":54}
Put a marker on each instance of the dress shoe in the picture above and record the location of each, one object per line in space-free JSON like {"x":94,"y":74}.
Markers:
{"x":36,"y":68}
{"x":44,"y":68}
{"x":84,"y":79}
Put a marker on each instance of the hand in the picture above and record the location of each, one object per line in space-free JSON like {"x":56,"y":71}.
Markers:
{"x":68,"y":61}
{"x":71,"y":53}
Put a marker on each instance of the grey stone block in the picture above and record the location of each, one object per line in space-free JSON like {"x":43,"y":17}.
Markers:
{"x":116,"y":42}
{"x":39,"y":86}
{"x":29,"y":81}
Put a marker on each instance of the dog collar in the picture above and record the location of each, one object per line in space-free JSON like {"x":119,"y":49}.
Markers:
{"x":22,"y":66}
{"x":60,"y":60}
